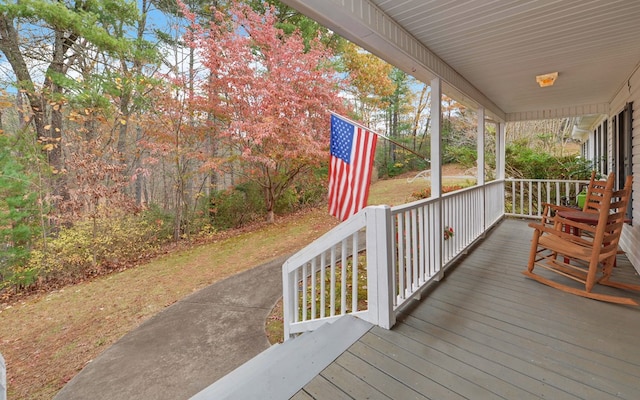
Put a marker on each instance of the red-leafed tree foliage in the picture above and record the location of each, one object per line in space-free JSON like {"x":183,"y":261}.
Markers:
{"x":273,"y":95}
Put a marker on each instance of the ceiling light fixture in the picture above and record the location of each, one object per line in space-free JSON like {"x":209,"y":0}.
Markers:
{"x":547,"y":79}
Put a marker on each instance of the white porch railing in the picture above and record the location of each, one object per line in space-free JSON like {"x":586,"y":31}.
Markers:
{"x":524,"y":197}
{"x":382,"y":257}
{"x":337,"y":274}
{"x":420,"y":250}
{"x":346,"y":271}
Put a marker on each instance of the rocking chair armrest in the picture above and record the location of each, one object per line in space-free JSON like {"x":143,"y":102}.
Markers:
{"x":574,"y":224}
{"x":544,"y":227}
{"x":557,"y":230}
{"x":557,"y":207}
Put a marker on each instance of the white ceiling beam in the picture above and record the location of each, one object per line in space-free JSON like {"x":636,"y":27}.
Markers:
{"x":564,"y":112}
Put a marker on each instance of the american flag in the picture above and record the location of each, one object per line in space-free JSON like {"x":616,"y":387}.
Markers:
{"x":352,"y":152}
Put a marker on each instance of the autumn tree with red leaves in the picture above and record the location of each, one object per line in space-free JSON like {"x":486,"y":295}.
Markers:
{"x":274,"y":94}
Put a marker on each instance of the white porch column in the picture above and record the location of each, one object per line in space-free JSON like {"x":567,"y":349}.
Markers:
{"x":500,"y":150}
{"x":436,"y":137}
{"x":480,"y":162}
{"x":436,"y":166}
{"x":480,"y":147}
{"x":380,"y":265}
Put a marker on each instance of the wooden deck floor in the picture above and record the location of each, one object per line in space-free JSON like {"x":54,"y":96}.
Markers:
{"x":487,"y":332}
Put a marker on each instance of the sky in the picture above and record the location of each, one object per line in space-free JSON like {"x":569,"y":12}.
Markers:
{"x":157,"y":20}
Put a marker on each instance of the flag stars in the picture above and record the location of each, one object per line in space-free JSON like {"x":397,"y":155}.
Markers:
{"x":341,"y":139}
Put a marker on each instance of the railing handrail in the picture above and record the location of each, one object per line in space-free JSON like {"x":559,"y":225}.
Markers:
{"x":546,"y":180}
{"x":421,"y":202}
{"x":527,"y":196}
{"x":338,"y":233}
{"x":413,"y":204}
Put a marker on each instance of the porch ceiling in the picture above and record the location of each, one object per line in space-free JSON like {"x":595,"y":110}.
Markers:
{"x":489,"y":52}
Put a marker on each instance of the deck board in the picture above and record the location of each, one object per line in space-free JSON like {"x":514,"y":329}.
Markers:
{"x":321,"y":386}
{"x":488,"y":332}
{"x":402,"y":350}
{"x":403,"y":373}
{"x":503,"y":367}
{"x":382,"y":382}
{"x":302,"y":395}
{"x":351,"y":384}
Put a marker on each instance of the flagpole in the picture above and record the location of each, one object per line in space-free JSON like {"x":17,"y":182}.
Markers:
{"x":382,"y":136}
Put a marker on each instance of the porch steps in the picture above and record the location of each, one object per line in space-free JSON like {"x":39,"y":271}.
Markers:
{"x":282,"y":370}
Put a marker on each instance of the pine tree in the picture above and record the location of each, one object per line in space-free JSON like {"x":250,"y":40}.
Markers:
{"x":19,"y":224}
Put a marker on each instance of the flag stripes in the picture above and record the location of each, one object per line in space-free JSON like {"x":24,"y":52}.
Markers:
{"x":352,"y":153}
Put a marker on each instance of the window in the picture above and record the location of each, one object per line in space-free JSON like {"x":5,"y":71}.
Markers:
{"x":605,"y":148}
{"x":597,"y":146}
{"x":600,"y":149}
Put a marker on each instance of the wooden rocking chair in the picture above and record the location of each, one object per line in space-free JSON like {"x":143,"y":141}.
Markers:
{"x":590,"y":258}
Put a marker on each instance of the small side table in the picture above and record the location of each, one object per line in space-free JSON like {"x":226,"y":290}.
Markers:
{"x":578,"y":216}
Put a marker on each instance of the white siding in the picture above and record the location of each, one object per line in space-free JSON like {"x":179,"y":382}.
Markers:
{"x":630,"y":91}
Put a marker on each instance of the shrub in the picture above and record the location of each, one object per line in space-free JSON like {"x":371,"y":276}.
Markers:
{"x":309,"y":189}
{"x":162,"y":220}
{"x":313,"y":193}
{"x":464,"y":155}
{"x":89,"y":247}
{"x":237,"y":206}
{"x":288,"y":201}
{"x":425,"y":193}
{"x":524,"y":162}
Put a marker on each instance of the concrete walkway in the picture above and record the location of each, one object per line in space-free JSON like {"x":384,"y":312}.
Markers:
{"x":187,"y":346}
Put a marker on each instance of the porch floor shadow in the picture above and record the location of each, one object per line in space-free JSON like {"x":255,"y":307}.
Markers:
{"x":488,"y":332}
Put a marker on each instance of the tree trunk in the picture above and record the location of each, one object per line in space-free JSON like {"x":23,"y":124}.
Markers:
{"x":140,"y":182}
{"x":9,"y":45}
{"x":270,"y":204}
